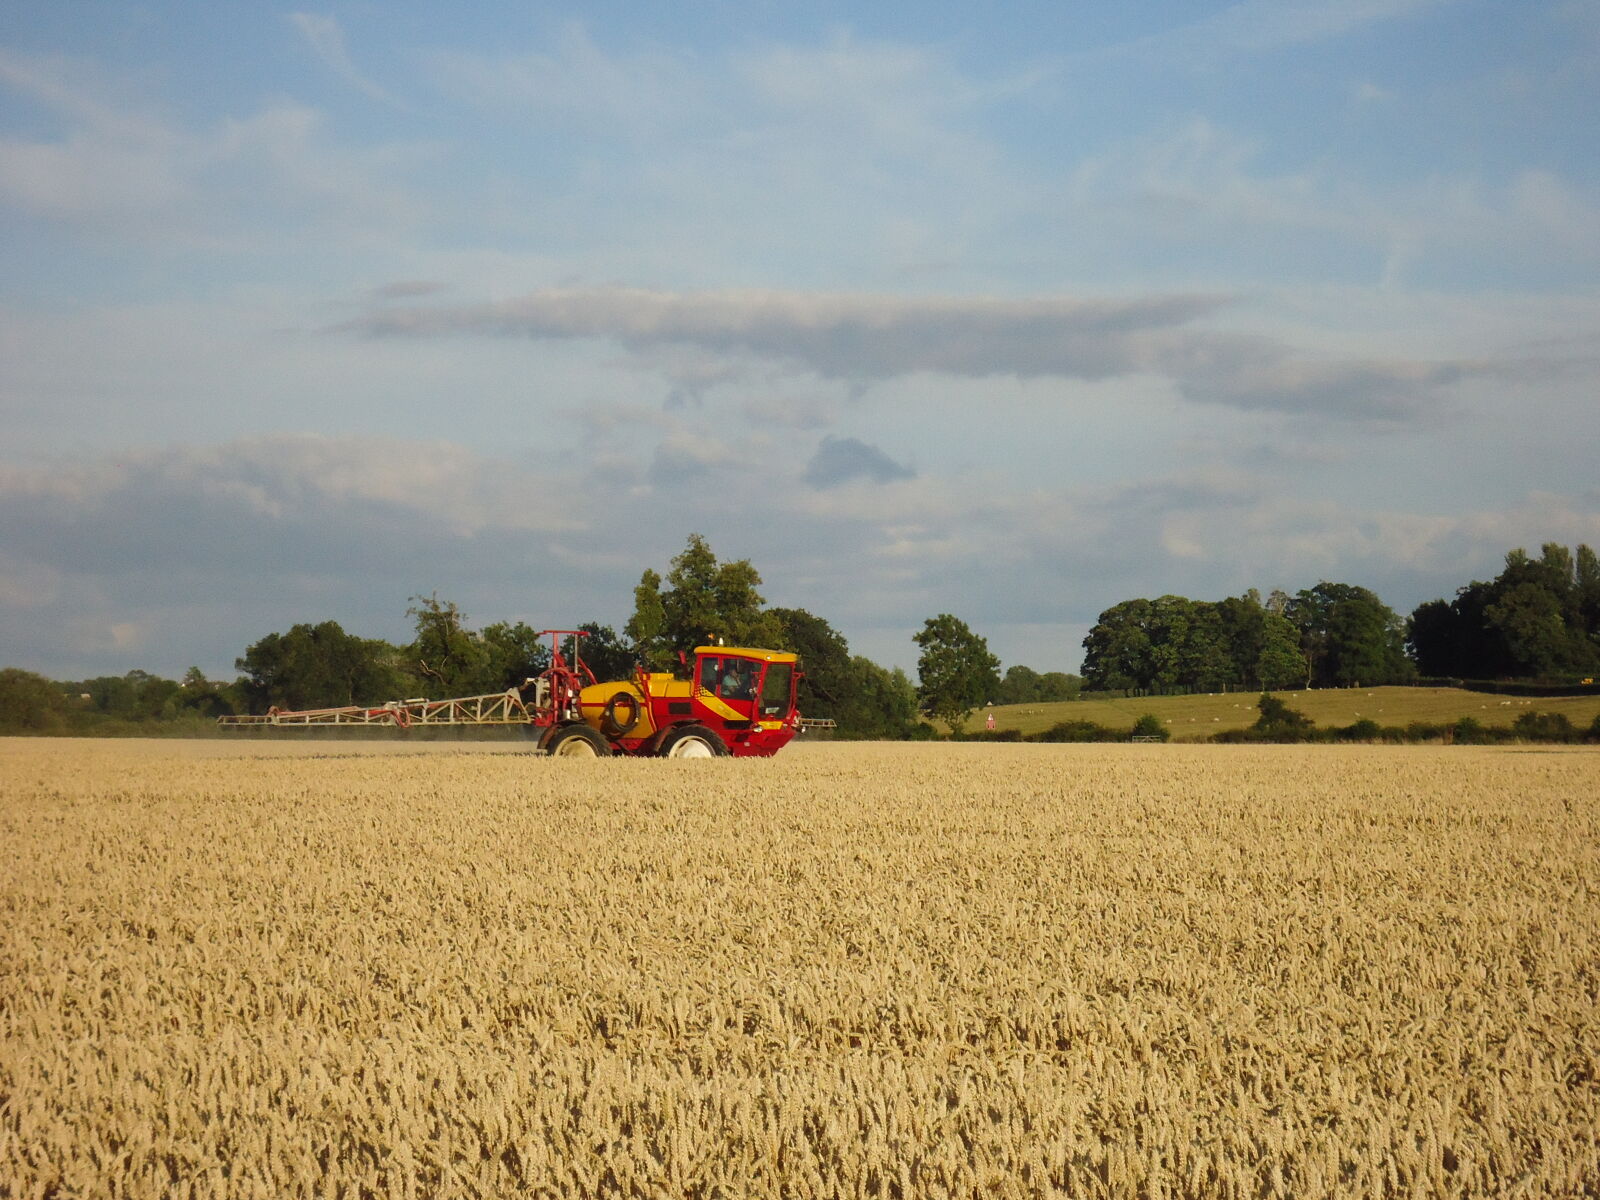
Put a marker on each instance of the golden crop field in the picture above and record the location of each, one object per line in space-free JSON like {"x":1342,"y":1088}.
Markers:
{"x":292,"y":969}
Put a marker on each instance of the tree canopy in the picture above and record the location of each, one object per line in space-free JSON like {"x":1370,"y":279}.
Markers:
{"x":450,"y":657}
{"x":955,"y":671}
{"x":1024,"y":685}
{"x":703,"y":600}
{"x":30,"y":703}
{"x":607,"y":655}
{"x":1173,"y":642}
{"x":1349,"y":636}
{"x":1539,"y":618}
{"x":828,"y":674}
{"x":319,"y":666}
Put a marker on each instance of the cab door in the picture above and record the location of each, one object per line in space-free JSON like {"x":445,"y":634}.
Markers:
{"x":725,"y":687}
{"x":777,"y":692}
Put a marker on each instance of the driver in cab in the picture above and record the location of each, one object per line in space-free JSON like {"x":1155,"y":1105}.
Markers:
{"x":738,"y":679}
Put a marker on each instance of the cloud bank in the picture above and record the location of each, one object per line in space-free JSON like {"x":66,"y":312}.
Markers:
{"x":872,"y":338}
{"x":185,"y":554}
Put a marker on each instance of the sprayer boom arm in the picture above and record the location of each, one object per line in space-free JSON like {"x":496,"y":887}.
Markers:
{"x":496,"y":708}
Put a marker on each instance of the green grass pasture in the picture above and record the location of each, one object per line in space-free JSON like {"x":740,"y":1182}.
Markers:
{"x":1200,"y":716}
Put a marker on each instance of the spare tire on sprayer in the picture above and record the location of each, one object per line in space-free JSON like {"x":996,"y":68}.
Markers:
{"x":621,"y":724}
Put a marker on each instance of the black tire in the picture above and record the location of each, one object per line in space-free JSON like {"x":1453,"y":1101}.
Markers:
{"x":692,"y":741}
{"x":608,"y":716}
{"x":577,"y":741}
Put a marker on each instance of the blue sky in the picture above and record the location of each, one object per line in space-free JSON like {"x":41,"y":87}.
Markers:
{"x":1013,"y":315}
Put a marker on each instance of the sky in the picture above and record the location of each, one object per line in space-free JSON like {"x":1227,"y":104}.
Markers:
{"x":1008,"y":313}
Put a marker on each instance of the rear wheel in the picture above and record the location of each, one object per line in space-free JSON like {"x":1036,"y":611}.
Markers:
{"x":692,"y":741}
{"x":577,"y":741}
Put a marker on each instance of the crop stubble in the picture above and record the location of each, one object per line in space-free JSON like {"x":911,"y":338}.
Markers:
{"x":271,"y":969}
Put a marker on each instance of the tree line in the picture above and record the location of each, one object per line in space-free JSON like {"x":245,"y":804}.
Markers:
{"x":1539,"y":619}
{"x":1331,"y":635}
{"x":699,"y":601}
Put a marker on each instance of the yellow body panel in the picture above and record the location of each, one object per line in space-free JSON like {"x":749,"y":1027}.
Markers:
{"x":594,"y":698}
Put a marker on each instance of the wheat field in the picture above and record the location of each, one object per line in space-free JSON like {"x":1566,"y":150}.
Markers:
{"x":291,"y":969}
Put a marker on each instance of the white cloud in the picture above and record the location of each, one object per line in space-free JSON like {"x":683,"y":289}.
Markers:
{"x":117,"y":162}
{"x":1199,"y":183}
{"x":903,"y":101}
{"x":326,"y":39}
{"x":1565,"y":216}
{"x":635,"y":96}
{"x":1258,"y":26}
{"x":120,"y":170}
{"x":693,"y":165}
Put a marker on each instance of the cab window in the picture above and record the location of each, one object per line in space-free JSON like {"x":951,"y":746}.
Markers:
{"x":728,"y":677}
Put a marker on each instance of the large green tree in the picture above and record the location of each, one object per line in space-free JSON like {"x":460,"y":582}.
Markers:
{"x":1540,"y":617}
{"x":607,"y":655}
{"x":515,"y":653}
{"x":1117,"y":651}
{"x":113,"y":695}
{"x":460,"y":661}
{"x":1432,"y":639}
{"x":876,"y":702}
{"x":1279,"y":661}
{"x":452,"y":659}
{"x":1173,"y":642}
{"x":1164,"y":643}
{"x":647,"y":627}
{"x":1024,"y":685}
{"x":30,"y":703}
{"x":1019,"y":685}
{"x":702,"y":600}
{"x":1586,"y":582}
{"x":204,"y":697}
{"x":1206,"y":661}
{"x":1531,"y":627}
{"x":1348,"y":636}
{"x":319,"y":666}
{"x":1059,"y":685}
{"x":865,"y":699}
{"x":955,"y":671}
{"x":1263,"y":645}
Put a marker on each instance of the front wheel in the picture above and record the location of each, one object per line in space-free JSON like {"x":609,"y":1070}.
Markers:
{"x":577,"y":741}
{"x":692,"y":741}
